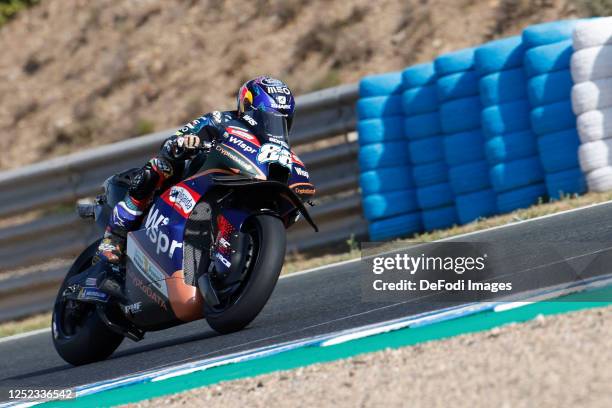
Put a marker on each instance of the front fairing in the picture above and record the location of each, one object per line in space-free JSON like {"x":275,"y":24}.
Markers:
{"x":242,"y":151}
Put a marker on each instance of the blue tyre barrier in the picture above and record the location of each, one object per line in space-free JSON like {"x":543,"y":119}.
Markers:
{"x":386,"y":179}
{"x":545,"y":89}
{"x":502,"y":87}
{"x":469,"y":177}
{"x":551,"y":118}
{"x":439,"y":218}
{"x":548,"y":58}
{"x":422,"y":99}
{"x":459,"y":85}
{"x":499,"y":55}
{"x":421,"y":126}
{"x":378,"y":106}
{"x":380,"y":130}
{"x":548,"y":33}
{"x":453,"y":62}
{"x":559,"y":151}
{"x":390,"y":154}
{"x":385,"y":205}
{"x":460,"y":115}
{"x":402,"y":225}
{"x":430,"y":174}
{"x":565,"y":182}
{"x":511,"y":147}
{"x":506,"y":118}
{"x":473,"y":206}
{"x":419,"y":75}
{"x":381,"y":84}
{"x":434,"y":196}
{"x":520,"y":198}
{"x":518,"y":173}
{"x":426,"y":150}
{"x":463,"y":147}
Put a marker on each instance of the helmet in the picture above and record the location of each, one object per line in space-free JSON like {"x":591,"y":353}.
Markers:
{"x":266,"y":94}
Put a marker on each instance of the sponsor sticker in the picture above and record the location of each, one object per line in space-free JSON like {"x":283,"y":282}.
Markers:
{"x":133,"y":308}
{"x":240,"y":143}
{"x":305,"y":191}
{"x":223,"y":260}
{"x":92,"y":293}
{"x":272,"y":81}
{"x":279,"y":106}
{"x":149,"y":292}
{"x":183,"y":198}
{"x":241,"y":133}
{"x":280,"y":142}
{"x":300,"y":171}
{"x":278,"y":90}
{"x":234,"y":157}
{"x":148,"y":269}
{"x":249,"y":120}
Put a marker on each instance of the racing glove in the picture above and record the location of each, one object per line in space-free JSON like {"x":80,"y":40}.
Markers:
{"x":182,"y":147}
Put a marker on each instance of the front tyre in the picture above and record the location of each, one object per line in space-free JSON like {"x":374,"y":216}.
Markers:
{"x":79,"y":334}
{"x":268,"y":238}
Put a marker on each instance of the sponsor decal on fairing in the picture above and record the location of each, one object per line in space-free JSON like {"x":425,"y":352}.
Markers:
{"x":149,"y":292}
{"x":182,"y":198}
{"x":249,"y":120}
{"x":233,"y":130}
{"x":301,"y":172}
{"x":240,"y":143}
{"x":147,"y":269}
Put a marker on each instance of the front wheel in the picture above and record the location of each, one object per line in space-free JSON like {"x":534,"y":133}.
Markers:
{"x":79,"y":334}
{"x":268,"y":241}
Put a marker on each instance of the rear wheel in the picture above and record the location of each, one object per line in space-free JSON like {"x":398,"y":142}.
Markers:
{"x":79,"y":334}
{"x":266,"y":254}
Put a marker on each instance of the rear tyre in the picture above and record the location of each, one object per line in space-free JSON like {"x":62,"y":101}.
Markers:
{"x":79,"y":334}
{"x":268,"y":238}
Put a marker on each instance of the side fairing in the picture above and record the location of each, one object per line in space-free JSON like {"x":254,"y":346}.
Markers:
{"x":299,"y":180}
{"x":155,"y":280}
{"x":238,"y":150}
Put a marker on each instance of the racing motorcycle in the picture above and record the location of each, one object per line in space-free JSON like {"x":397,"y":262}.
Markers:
{"x":211,"y":246}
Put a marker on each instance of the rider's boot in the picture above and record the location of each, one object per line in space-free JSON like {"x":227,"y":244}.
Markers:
{"x":125,"y":217}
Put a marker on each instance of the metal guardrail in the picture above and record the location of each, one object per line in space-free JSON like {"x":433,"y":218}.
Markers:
{"x":319,"y":115}
{"x":64,"y":180}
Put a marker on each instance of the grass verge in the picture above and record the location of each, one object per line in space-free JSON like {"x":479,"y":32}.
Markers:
{"x":35,"y":322}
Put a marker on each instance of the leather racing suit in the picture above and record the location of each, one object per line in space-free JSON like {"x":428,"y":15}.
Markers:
{"x":167,"y":166}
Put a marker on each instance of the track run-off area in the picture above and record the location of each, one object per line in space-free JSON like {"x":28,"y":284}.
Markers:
{"x":312,"y":316}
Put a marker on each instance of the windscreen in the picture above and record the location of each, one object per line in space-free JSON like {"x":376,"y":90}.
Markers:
{"x":268,"y":124}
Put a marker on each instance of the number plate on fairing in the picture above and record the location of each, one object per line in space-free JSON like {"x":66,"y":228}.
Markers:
{"x":273,"y":153}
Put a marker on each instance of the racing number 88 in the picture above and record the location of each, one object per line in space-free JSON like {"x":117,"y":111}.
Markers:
{"x":274,"y":153}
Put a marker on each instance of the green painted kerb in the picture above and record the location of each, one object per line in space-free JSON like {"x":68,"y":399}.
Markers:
{"x":311,"y":355}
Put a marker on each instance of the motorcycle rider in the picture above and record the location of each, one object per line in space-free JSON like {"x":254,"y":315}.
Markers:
{"x":261,"y":93}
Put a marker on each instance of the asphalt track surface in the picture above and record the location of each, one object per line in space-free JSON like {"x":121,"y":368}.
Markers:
{"x":307,"y":304}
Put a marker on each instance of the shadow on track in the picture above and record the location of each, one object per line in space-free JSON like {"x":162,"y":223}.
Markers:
{"x":166,"y":343}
